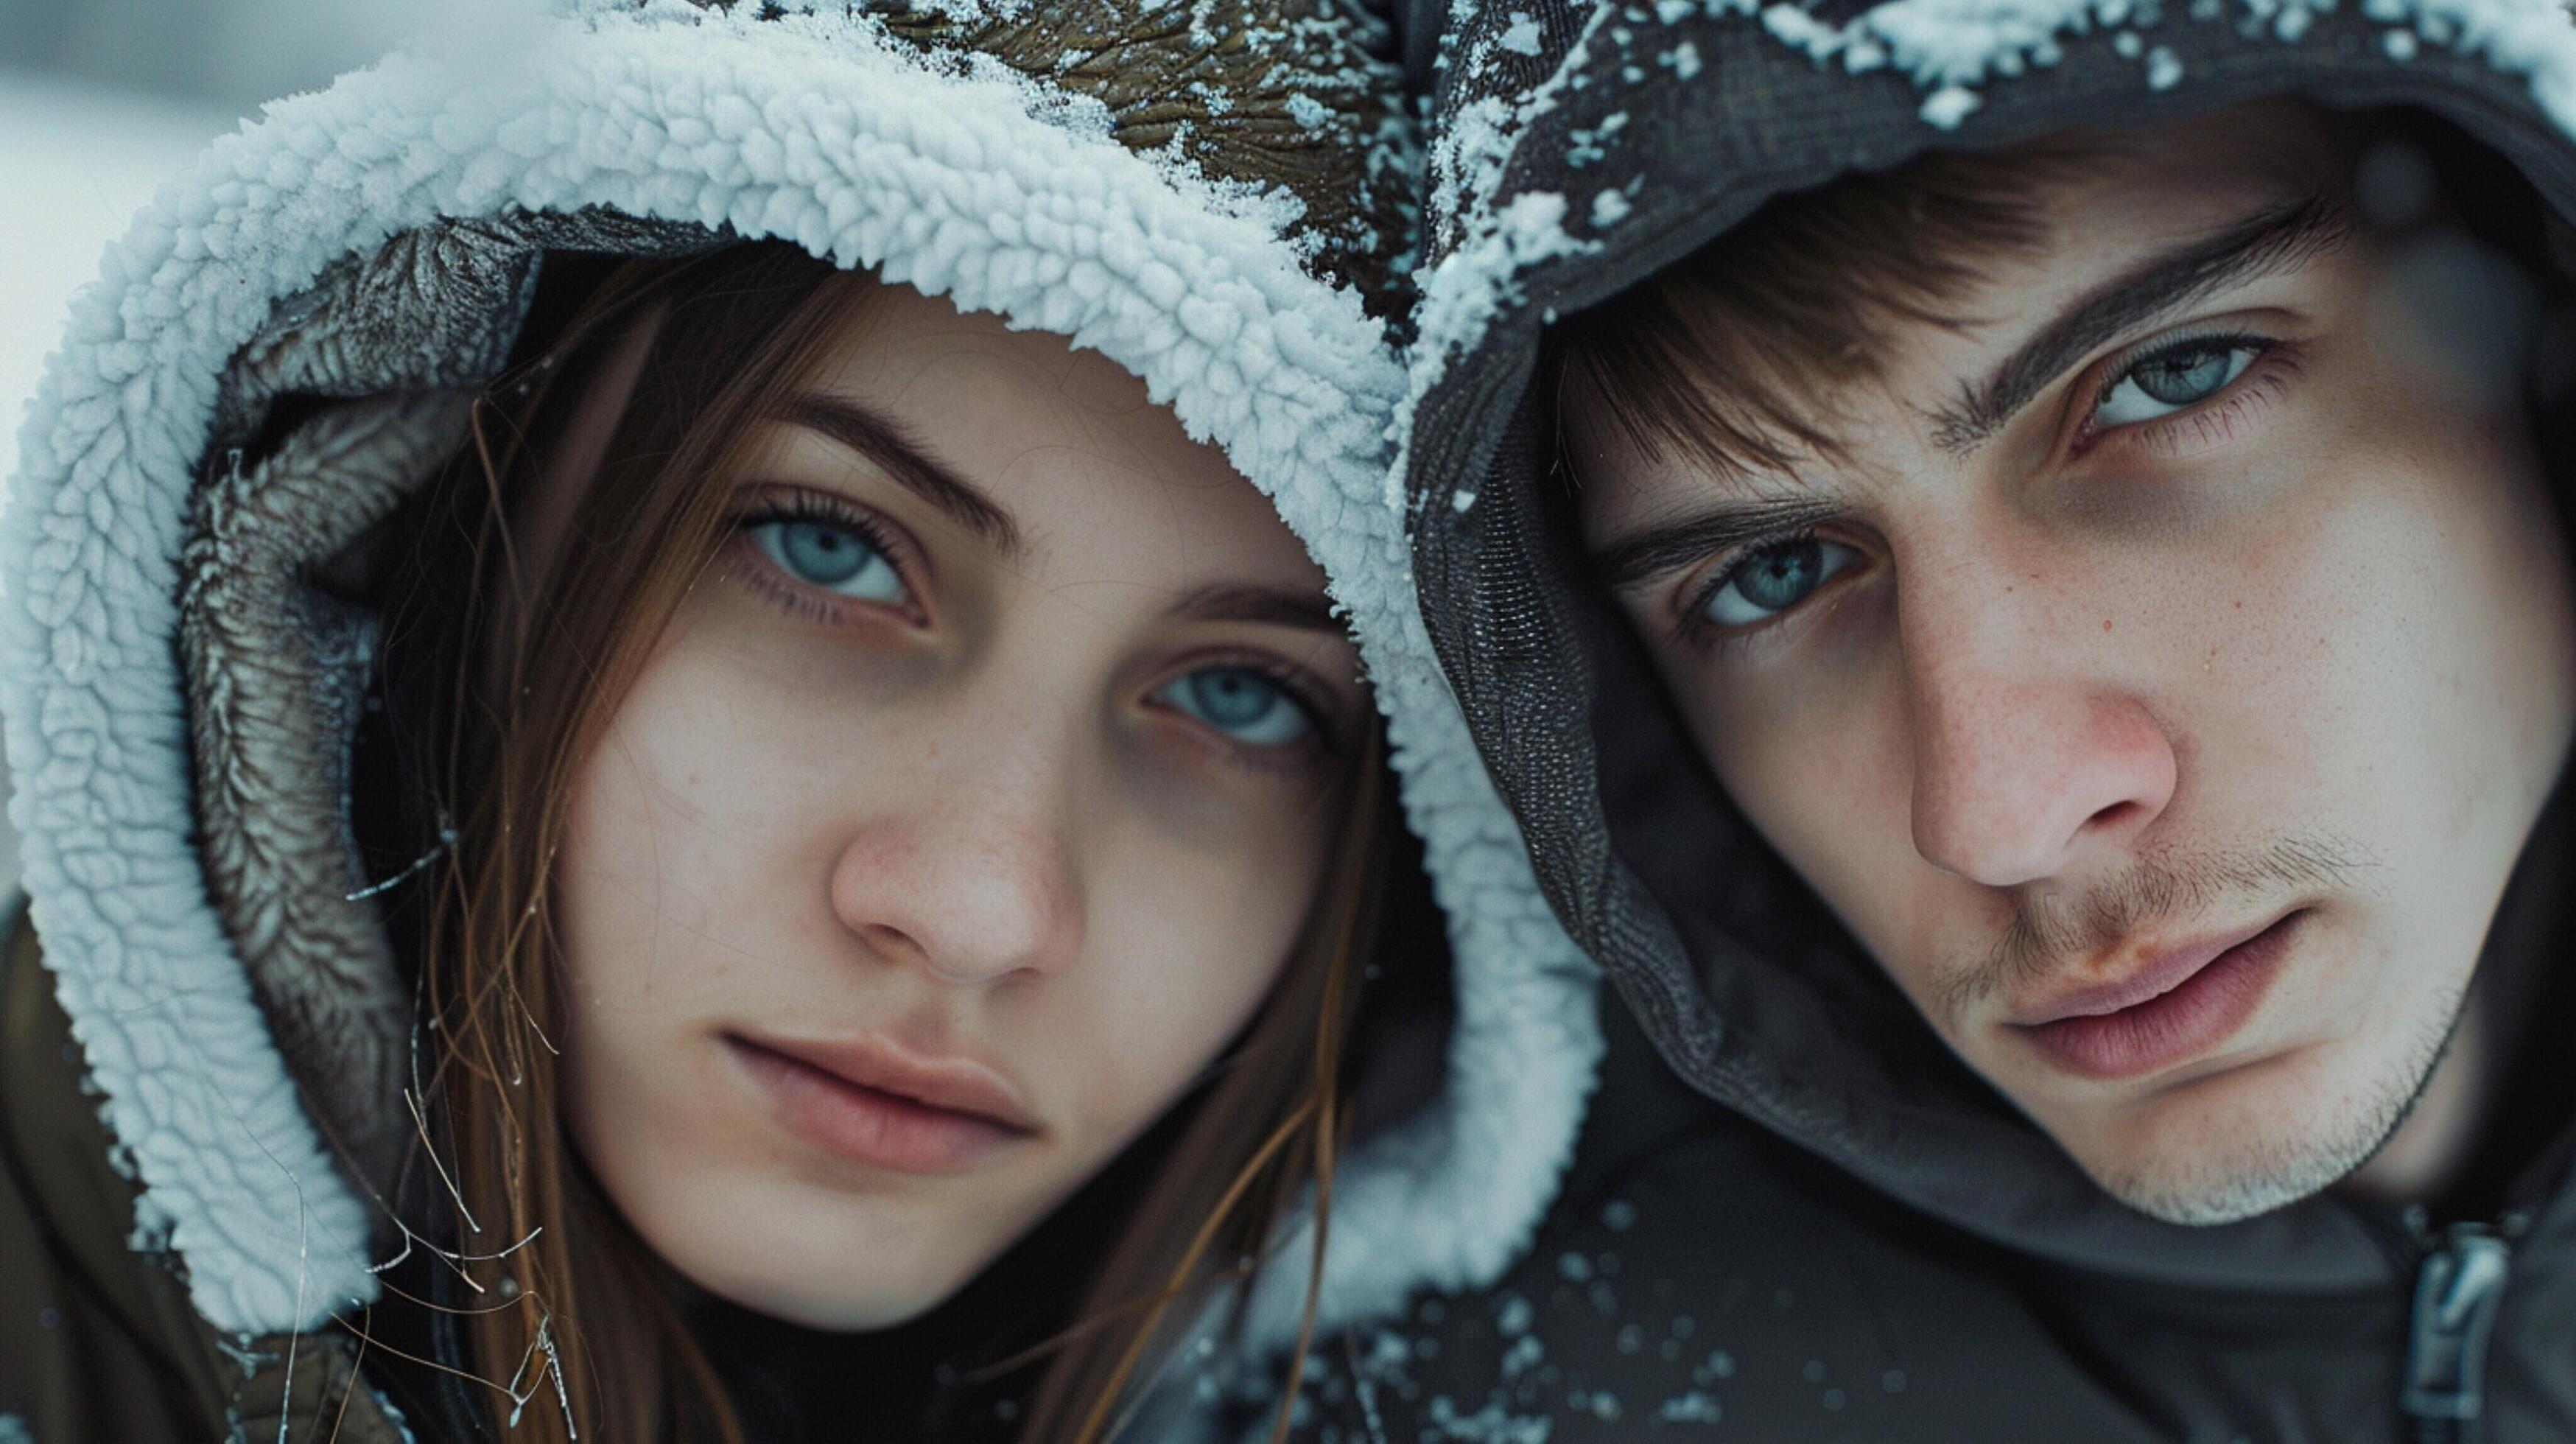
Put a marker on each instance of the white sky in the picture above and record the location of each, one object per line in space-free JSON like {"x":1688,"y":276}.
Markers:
{"x":76,"y":162}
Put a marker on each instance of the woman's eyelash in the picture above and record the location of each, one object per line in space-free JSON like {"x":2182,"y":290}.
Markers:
{"x":802,"y":508}
{"x":806,"y":509}
{"x":1301,"y":690}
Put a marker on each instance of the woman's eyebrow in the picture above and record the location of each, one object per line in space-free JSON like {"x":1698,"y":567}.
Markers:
{"x":2273,"y":239}
{"x":884,"y":442}
{"x":1276,"y":606}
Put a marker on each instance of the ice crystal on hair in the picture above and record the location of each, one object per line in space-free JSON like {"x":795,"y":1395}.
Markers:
{"x":1949,"y":105}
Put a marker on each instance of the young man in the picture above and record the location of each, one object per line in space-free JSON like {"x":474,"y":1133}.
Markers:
{"x":2029,"y":629}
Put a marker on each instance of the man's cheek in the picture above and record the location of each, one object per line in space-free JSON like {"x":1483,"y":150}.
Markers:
{"x":1833,"y":798}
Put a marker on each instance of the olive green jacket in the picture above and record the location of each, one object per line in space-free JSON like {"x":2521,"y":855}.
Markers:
{"x":99,"y":1341}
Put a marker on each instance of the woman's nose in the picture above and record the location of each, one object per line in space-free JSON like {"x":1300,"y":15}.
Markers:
{"x":972,"y":883}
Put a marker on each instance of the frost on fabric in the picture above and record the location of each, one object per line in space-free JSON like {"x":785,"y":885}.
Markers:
{"x":1584,"y":1337}
{"x":1473,"y":283}
{"x":1951,"y":47}
{"x":2164,"y":68}
{"x":1487,"y":245}
{"x":1587,"y":146}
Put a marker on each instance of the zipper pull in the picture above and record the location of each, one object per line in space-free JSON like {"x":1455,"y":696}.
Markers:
{"x":2458,"y":1290}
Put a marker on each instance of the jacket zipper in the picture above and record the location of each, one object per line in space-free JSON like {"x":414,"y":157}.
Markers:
{"x":2459,"y":1288}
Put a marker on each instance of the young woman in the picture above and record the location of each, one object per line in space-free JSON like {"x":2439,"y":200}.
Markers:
{"x":691,"y":767}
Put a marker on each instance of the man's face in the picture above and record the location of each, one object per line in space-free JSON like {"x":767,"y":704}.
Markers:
{"x":2163,"y":682}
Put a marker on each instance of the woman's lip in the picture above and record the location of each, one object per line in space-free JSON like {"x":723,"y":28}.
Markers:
{"x":850,"y":1102}
{"x":956,"y":1084}
{"x":2181,"y":1006}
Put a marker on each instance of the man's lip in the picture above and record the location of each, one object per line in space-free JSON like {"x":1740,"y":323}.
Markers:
{"x":956,"y":1084}
{"x":2157,"y":973}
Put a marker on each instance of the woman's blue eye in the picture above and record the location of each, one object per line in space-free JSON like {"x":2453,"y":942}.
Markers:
{"x":1774,"y":578}
{"x":2174,"y":379}
{"x":1242,"y":704}
{"x":830,"y":556}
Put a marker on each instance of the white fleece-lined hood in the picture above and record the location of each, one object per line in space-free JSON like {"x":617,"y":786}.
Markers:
{"x":954,"y":174}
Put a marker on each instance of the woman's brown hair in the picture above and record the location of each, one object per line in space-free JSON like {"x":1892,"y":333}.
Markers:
{"x":510,"y":645}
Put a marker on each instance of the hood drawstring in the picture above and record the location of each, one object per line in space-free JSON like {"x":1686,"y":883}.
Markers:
{"x":2459,"y":1289}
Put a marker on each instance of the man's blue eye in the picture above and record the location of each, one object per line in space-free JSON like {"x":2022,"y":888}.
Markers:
{"x":831,"y":557}
{"x":2174,"y":379}
{"x":1775,"y":578}
{"x":1242,"y":704}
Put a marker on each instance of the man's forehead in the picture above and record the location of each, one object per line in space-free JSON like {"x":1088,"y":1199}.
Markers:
{"x":2144,"y":193}
{"x":2199,"y":194}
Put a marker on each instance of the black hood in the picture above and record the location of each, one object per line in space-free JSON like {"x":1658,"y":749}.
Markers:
{"x":1575,"y":152}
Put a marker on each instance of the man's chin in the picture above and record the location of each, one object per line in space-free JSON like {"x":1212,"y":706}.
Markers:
{"x":2200,"y":1180}
{"x":2264,"y":1138}
{"x":2208,"y":1198}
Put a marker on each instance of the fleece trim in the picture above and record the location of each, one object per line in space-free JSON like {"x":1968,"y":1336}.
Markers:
{"x":957,"y":179}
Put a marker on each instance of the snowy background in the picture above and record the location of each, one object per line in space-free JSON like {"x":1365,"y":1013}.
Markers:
{"x":103,"y":100}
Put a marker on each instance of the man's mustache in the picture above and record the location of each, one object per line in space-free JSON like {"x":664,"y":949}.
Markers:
{"x":2054,"y":930}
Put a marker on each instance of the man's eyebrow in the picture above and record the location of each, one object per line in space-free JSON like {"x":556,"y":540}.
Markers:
{"x":2271,"y":240}
{"x":882,"y":441}
{"x":1624,"y":562}
{"x":1274,"y":606}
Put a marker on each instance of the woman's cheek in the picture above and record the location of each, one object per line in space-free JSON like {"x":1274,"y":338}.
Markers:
{"x":1178,"y":967}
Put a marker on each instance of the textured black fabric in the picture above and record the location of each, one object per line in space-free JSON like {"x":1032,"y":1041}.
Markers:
{"x":1704,"y":1278}
{"x":1815,"y":1111}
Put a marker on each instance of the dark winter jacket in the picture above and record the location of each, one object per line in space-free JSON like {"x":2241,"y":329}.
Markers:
{"x":290,"y":341}
{"x":1796,"y":1215}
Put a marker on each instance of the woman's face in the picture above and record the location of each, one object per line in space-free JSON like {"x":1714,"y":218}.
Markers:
{"x":969,"y":805}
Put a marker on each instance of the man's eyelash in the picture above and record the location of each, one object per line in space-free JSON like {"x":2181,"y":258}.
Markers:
{"x":2221,"y":341}
{"x":1693,"y":625}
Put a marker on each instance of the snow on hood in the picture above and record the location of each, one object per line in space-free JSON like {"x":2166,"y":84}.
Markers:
{"x":953,"y":173}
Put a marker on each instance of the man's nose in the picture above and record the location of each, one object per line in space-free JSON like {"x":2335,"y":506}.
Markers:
{"x":2027,"y":757}
{"x":970,"y":875}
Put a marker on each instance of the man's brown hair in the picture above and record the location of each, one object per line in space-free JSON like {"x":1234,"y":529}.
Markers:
{"x":1719,"y":357}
